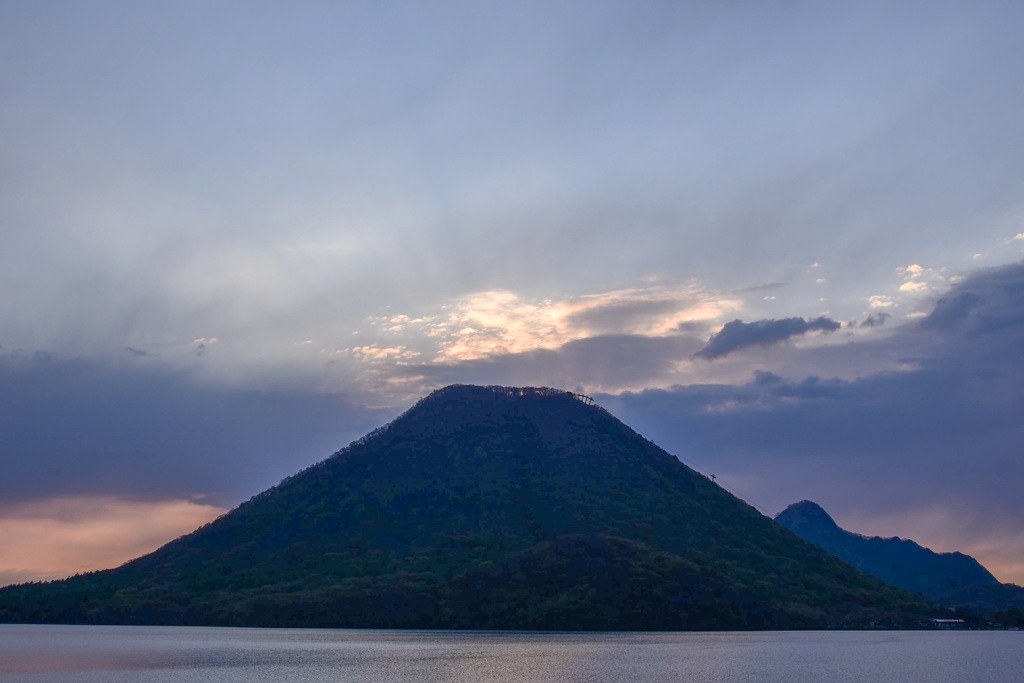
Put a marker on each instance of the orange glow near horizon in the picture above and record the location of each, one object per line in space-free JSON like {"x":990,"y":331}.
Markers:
{"x":946,"y":530}
{"x":58,"y":537}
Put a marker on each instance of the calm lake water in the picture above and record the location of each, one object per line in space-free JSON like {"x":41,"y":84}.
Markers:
{"x":137,"y":654}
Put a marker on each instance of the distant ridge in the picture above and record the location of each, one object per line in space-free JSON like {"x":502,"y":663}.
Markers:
{"x":485,"y":507}
{"x":952,"y":579}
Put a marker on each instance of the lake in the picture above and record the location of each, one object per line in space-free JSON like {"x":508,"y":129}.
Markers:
{"x":144,"y":654}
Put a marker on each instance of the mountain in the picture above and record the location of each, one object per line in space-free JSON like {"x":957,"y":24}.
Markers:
{"x":485,"y":507}
{"x":951,"y":579}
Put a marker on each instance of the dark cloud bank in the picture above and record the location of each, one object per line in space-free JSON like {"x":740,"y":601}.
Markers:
{"x":71,"y":427}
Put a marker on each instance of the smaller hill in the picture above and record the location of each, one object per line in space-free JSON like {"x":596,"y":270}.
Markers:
{"x":951,"y":579}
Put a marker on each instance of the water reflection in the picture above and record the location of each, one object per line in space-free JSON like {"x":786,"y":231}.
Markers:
{"x":45,"y":654}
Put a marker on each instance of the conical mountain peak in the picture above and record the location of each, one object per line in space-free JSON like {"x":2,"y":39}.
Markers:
{"x":482,"y":507}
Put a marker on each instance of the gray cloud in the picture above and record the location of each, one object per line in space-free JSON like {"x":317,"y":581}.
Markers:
{"x":874,"y":320}
{"x":627,"y":315}
{"x":536,"y":150}
{"x":987,"y":302}
{"x":738,"y":335}
{"x":951,"y":309}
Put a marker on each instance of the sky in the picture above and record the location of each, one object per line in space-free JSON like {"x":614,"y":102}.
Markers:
{"x":784,"y":240}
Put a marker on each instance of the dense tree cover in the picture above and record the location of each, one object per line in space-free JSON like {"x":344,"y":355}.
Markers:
{"x":1011,"y":618}
{"x":485,"y":507}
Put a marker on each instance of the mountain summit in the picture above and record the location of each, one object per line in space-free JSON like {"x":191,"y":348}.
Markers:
{"x":484,"y":507}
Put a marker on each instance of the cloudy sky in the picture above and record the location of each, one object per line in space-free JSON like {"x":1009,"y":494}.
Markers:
{"x":782,"y":239}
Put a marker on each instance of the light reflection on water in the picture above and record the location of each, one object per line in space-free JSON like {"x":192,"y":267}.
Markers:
{"x":140,"y":654}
